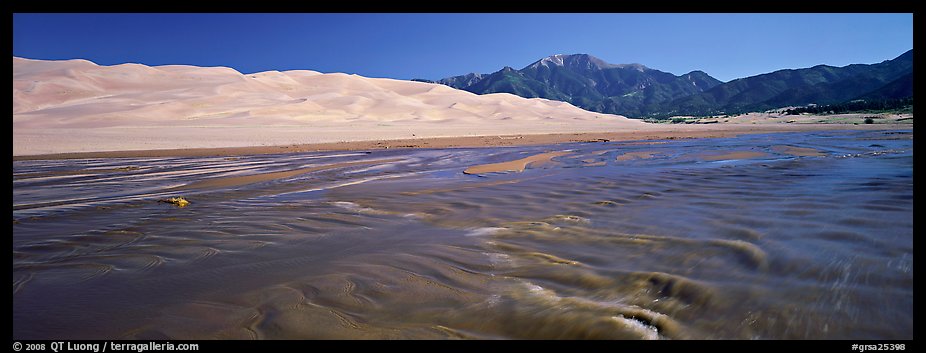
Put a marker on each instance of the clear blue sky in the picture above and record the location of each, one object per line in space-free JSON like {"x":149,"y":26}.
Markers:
{"x":433,"y":46}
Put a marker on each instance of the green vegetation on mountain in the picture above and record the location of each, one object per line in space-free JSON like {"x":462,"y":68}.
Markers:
{"x":901,"y":105}
{"x":634,"y":90}
{"x":590,"y":83}
{"x":820,"y":85}
{"x":901,"y":87}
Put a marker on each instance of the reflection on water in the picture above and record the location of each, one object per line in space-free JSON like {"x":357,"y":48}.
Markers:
{"x":792,"y":236}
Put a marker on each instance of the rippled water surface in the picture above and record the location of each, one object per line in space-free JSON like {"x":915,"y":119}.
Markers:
{"x":774,"y":236}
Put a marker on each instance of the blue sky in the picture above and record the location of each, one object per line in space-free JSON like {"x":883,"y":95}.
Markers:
{"x":433,"y":46}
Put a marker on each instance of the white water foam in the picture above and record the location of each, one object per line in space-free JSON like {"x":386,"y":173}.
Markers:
{"x":478,"y":232}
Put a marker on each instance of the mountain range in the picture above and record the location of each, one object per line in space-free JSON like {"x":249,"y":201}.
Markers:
{"x":635,"y":90}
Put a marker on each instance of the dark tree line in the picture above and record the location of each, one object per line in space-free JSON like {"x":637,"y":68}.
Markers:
{"x":855,"y":106}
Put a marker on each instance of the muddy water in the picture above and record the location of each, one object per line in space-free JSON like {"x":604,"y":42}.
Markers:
{"x":776,"y":236}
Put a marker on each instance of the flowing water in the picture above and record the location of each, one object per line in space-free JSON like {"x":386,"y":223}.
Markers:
{"x":771,"y":236}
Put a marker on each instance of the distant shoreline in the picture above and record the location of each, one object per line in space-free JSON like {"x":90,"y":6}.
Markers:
{"x":664,"y":132}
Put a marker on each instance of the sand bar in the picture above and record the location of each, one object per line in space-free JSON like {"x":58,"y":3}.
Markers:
{"x":636,"y":155}
{"x":514,"y":166}
{"x":734,"y":155}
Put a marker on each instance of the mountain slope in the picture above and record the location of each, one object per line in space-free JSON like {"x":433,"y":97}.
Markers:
{"x":637,"y":91}
{"x":899,"y":88}
{"x":820,"y":84}
{"x":461,"y":81}
{"x":590,"y":83}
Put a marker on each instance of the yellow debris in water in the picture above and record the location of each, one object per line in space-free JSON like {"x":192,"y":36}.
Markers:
{"x":178,"y":201}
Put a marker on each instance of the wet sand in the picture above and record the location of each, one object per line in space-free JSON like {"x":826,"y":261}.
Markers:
{"x":515,"y":165}
{"x":733,"y":155}
{"x":636,"y":155}
{"x":655,"y":132}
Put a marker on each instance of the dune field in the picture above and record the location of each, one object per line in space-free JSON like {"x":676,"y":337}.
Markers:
{"x":78,"y":106}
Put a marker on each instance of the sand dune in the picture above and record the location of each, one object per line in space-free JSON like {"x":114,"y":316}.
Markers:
{"x":78,"y":106}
